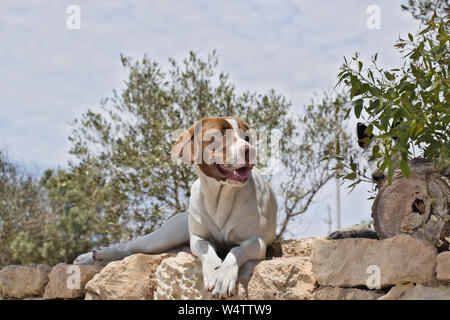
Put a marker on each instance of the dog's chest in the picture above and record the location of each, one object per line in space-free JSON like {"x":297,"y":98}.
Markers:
{"x":220,"y":215}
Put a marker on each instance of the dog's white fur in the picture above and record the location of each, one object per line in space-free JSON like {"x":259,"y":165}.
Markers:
{"x":227,"y":225}
{"x":225,"y":217}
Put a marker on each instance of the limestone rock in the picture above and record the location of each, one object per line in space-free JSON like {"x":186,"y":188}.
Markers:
{"x":24,"y":281}
{"x":180,"y":278}
{"x":443,"y":266}
{"x":345,"y":263}
{"x":68,"y":281}
{"x":129,"y":279}
{"x":411,"y":291}
{"x":282,"y":278}
{"x":91,"y":296}
{"x":336,"y":293}
{"x":293,"y":248}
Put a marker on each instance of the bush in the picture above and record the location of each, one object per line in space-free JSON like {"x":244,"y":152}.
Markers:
{"x":407,"y":108}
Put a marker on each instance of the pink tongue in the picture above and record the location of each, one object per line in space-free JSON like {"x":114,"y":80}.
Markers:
{"x":242,"y":173}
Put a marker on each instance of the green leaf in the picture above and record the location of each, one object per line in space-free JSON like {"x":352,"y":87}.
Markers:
{"x":405,"y":168}
{"x":358,"y":107}
{"x":385,"y":164}
{"x":374,"y":91}
{"x":389,"y":75}
{"x":350,"y":176}
{"x":369,"y":130}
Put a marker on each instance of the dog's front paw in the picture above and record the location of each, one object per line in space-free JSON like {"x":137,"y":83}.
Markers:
{"x":210,"y":273}
{"x":226,"y":280}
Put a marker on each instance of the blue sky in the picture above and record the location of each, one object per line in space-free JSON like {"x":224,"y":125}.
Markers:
{"x":50,"y":75}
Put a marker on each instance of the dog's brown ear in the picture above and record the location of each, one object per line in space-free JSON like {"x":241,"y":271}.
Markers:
{"x":242,"y":124}
{"x":183,"y":149}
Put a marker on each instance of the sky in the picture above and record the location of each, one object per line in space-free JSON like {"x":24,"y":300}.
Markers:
{"x":50,"y":74}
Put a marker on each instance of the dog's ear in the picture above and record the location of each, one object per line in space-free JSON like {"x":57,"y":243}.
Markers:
{"x":242,"y":124}
{"x":183,"y":149}
{"x":363,"y":138}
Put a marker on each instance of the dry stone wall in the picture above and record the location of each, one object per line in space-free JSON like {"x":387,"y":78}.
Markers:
{"x":306,"y":269}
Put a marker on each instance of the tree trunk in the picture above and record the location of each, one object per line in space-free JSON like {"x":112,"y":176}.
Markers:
{"x":418,"y":206}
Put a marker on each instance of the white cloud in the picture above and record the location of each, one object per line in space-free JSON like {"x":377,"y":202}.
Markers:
{"x":50,"y":75}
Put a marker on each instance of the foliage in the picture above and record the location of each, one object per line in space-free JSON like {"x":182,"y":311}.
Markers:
{"x":52,"y":219}
{"x":23,"y":215}
{"x":84,"y":208}
{"x":123,"y":182}
{"x":424,"y":9}
{"x":308,"y":163}
{"x":128,"y":141}
{"x":406,"y":109}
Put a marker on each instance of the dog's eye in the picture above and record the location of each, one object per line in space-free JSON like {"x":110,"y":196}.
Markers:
{"x":247,"y":138}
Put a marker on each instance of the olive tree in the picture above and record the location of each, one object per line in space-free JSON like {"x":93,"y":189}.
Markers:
{"x":122,"y":182}
{"x":128,"y":139}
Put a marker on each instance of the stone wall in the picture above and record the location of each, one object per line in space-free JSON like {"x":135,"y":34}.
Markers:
{"x":314,"y":268}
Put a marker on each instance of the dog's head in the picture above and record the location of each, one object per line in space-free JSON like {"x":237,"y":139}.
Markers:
{"x":220,"y":147}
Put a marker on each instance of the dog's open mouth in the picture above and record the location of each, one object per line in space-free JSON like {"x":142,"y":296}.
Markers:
{"x":239,"y":175}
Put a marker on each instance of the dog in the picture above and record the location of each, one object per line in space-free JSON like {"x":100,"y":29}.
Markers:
{"x":232,"y":209}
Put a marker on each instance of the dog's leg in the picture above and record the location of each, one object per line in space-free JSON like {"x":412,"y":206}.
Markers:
{"x":206,"y":252}
{"x":173,"y":233}
{"x":112,"y":252}
{"x":227,"y":274}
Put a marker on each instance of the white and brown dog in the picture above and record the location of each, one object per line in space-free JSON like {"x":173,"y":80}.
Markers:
{"x":232,"y":209}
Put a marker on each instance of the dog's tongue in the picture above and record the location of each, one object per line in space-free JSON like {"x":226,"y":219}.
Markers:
{"x":238,"y":174}
{"x":242,"y":172}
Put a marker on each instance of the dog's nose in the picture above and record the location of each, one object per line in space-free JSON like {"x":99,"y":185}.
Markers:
{"x":249,"y":153}
{"x":246,"y":150}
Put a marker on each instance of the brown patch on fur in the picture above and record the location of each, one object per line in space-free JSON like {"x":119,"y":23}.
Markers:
{"x":206,"y":132}
{"x":241,"y":123}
